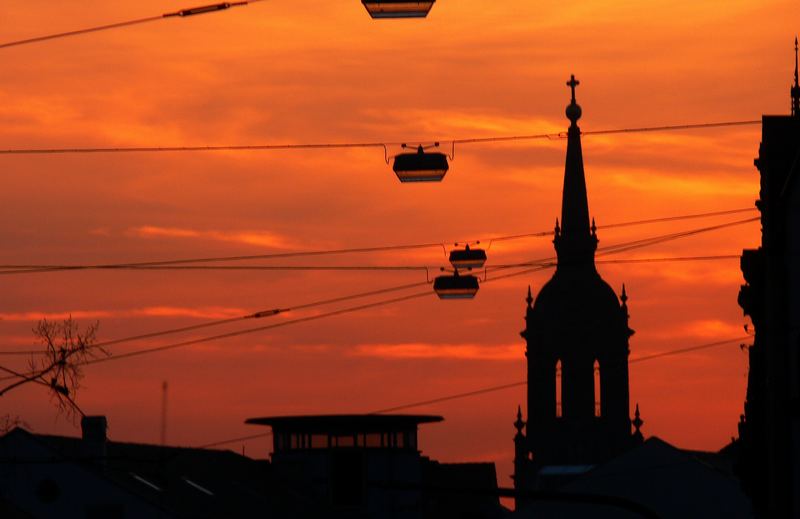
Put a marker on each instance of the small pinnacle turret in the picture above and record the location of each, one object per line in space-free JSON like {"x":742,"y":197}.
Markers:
{"x":519,"y":424}
{"x":637,"y":424}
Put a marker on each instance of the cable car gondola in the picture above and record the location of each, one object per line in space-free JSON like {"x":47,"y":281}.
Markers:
{"x":467,"y":258}
{"x":456,"y":286}
{"x":420,"y":166}
{"x":397,"y":8}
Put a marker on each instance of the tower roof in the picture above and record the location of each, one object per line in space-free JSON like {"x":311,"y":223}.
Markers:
{"x":576,"y":283}
{"x":574,"y":203}
{"x":575,"y":240}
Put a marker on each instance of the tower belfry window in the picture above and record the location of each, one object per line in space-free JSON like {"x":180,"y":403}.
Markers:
{"x":597,"y":395}
{"x":558,"y":389}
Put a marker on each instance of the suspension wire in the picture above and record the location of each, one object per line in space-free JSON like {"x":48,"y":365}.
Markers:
{"x":492,"y":389}
{"x":501,"y":387}
{"x":382,"y":268}
{"x":536,"y":266}
{"x":246,"y":331}
{"x":21,"y":269}
{"x":356,"y":308}
{"x":681,"y":351}
{"x":623,"y":247}
{"x":485,"y":390}
{"x":48,"y":268}
{"x":679,"y":217}
{"x":183,"y":13}
{"x":255,"y":315}
{"x":697,"y":126}
{"x":340,"y":145}
{"x":670,"y":259}
{"x":31,"y":269}
{"x":669,"y":237}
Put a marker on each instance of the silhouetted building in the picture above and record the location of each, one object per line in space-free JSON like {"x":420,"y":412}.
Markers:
{"x":654,"y":479}
{"x":770,"y":428}
{"x":577,"y":349}
{"x":370,"y":466}
{"x":342,"y":466}
{"x":44,"y":476}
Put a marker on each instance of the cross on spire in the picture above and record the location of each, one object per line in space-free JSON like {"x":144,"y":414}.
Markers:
{"x":572,"y":83}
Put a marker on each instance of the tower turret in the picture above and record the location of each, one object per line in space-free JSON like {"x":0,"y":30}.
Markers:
{"x":577,"y":339}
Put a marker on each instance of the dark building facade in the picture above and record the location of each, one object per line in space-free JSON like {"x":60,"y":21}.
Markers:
{"x":770,"y":428}
{"x":370,"y":466}
{"x":329,"y":466}
{"x":577,"y":347}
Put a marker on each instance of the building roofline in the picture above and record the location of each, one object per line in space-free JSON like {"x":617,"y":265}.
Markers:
{"x":345,"y":422}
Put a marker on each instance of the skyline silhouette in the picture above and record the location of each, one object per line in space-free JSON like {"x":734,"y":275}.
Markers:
{"x":219,"y":79}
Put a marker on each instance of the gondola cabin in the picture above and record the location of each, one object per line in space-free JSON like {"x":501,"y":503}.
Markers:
{"x":456,"y":286}
{"x":397,"y":8}
{"x":467,"y":258}
{"x":420,"y":166}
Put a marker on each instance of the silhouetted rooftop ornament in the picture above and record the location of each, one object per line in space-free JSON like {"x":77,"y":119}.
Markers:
{"x":796,"y":86}
{"x":519,"y":424}
{"x":456,"y":286}
{"x":420,"y":166}
{"x":397,"y":8}
{"x":637,"y":423}
{"x":624,"y":296}
{"x":467,"y":258}
{"x":529,"y":298}
{"x":573,"y":109}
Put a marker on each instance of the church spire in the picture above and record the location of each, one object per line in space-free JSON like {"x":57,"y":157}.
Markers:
{"x":576,"y":243}
{"x":796,"y":86}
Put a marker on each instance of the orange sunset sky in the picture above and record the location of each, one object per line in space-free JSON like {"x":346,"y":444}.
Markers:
{"x":282,"y":71}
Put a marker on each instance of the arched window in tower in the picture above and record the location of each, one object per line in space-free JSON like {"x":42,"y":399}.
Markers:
{"x":597,"y":395}
{"x":558,"y":388}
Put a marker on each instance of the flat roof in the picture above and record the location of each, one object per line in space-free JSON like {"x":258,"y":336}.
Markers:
{"x":345,"y":422}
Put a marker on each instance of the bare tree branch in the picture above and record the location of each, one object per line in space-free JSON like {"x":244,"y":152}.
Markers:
{"x":66,"y":348}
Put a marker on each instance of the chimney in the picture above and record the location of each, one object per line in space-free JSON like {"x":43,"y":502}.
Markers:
{"x":93,"y":429}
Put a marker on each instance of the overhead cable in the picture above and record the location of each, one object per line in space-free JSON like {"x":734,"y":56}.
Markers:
{"x":357,"y":308}
{"x":11,"y":269}
{"x":372,"y":268}
{"x":183,"y":13}
{"x":481,"y":391}
{"x":340,"y":145}
{"x":246,"y":331}
{"x":623,"y":247}
{"x":535,"y":265}
{"x":254,"y":315}
{"x":490,"y":389}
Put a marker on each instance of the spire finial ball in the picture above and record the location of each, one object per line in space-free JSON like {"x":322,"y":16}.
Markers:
{"x":574,"y":112}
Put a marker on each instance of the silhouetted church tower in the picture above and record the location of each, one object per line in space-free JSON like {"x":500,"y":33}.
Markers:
{"x":577,"y":346}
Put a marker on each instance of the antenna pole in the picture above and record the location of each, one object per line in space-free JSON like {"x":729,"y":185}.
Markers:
{"x":164,"y":413}
{"x":796,"y":86}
